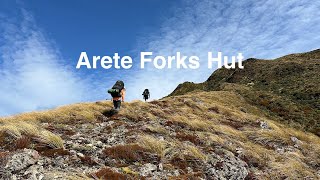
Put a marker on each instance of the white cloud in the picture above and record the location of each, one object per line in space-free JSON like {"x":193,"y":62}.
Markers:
{"x":261,"y":29}
{"x":33,"y":75}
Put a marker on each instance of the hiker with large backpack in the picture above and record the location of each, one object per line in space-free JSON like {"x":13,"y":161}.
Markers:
{"x":118,"y":93}
{"x":146,"y":94}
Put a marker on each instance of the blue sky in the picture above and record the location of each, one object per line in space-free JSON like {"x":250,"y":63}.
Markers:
{"x":40,"y":43}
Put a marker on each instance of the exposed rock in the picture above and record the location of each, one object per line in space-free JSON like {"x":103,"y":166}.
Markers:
{"x":80,"y":155}
{"x":147,"y":169}
{"x":34,"y":173}
{"x":296,"y":141}
{"x":160,"y":167}
{"x":226,"y":167}
{"x":239,"y":151}
{"x":264,"y":125}
{"x":189,"y":170}
{"x":22,"y":160}
{"x":176,"y":173}
{"x":250,"y":84}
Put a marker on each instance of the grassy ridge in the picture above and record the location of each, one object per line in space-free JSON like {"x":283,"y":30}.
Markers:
{"x":286,"y":88}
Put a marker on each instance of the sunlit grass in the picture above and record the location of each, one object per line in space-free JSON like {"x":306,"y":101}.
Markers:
{"x":205,"y":116}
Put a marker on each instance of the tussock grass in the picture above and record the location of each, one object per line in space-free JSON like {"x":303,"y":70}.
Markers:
{"x":11,"y":130}
{"x":19,"y":129}
{"x":50,"y":139}
{"x":84,"y":112}
{"x":67,"y":175}
{"x":130,"y":152}
{"x":29,"y":123}
{"x":183,"y":150}
{"x":157,"y":129}
{"x":198,"y":124}
{"x":256,"y":155}
{"x":189,"y":137}
{"x":213,"y":138}
{"x":194,"y":152}
{"x":137,"y":111}
{"x":153,"y":144}
{"x":195,"y":124}
{"x":290,"y":168}
{"x":107,"y":173}
{"x":269,"y":137}
{"x":258,"y":144}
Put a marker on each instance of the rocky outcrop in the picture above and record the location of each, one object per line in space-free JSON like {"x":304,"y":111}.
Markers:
{"x":226,"y":166}
{"x":84,"y":153}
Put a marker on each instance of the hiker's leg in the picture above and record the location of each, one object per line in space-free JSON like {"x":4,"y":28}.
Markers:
{"x":115,"y":104}
{"x":119,"y":104}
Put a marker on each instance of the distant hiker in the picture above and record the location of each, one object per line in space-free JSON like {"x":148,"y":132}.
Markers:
{"x":118,"y":93}
{"x":146,"y":94}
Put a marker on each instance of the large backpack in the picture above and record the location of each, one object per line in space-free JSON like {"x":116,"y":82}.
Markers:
{"x":146,"y":92}
{"x":115,"y":91}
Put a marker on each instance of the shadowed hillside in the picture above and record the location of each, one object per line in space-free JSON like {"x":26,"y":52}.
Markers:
{"x":285,"y":88}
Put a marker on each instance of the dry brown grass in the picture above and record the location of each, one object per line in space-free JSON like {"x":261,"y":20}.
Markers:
{"x":3,"y":158}
{"x":195,"y":152}
{"x":29,"y":123}
{"x":157,"y":129}
{"x":206,"y":119}
{"x":194,"y":124}
{"x":189,"y":137}
{"x":67,"y":175}
{"x":130,"y":153}
{"x":213,"y":138}
{"x":126,"y":152}
{"x":290,"y":168}
{"x":137,"y":111}
{"x":64,"y":114}
{"x":190,"y":176}
{"x":263,"y":156}
{"x":107,"y":173}
{"x":17,"y":130}
{"x":23,"y":142}
{"x":153,"y":144}
{"x":53,"y":152}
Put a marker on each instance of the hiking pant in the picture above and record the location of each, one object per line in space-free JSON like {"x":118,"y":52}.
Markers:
{"x":145,"y":98}
{"x":117,"y":104}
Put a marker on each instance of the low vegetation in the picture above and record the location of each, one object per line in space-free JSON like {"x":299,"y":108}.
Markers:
{"x":183,"y":138}
{"x":286,"y":88}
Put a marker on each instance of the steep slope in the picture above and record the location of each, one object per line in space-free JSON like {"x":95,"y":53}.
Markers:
{"x":206,"y":135}
{"x":286,"y":88}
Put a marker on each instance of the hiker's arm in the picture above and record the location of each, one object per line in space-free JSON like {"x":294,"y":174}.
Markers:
{"x":123,"y":94}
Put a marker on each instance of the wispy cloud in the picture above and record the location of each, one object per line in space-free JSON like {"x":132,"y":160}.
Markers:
{"x":33,"y":73}
{"x":257,"y":28}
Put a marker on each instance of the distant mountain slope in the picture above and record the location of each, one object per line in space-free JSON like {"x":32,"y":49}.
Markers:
{"x":286,"y":87}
